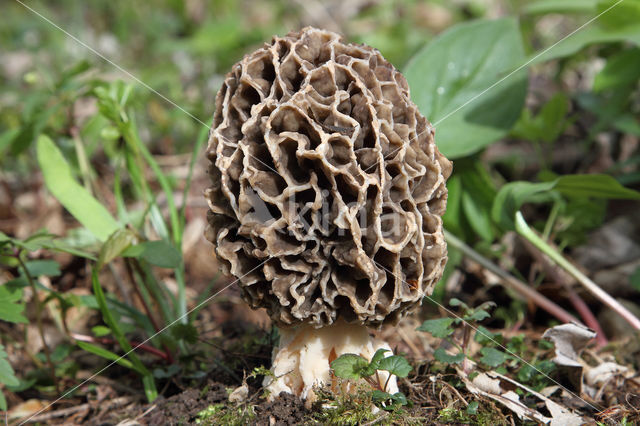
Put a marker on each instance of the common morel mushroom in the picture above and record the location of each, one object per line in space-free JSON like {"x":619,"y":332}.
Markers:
{"x":326,"y":198}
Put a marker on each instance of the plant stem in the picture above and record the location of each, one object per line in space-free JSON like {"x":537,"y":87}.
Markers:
{"x":153,"y":320}
{"x":106,"y":341}
{"x":524,"y":230}
{"x":510,"y":281}
{"x":45,"y":347}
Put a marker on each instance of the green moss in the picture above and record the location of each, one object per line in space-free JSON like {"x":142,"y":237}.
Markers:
{"x":225,"y":414}
{"x":353,"y":409}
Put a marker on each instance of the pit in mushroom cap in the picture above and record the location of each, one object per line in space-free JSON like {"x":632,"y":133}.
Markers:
{"x":323,"y":167}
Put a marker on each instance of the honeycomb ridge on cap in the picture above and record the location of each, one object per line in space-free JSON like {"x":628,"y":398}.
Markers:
{"x":359,"y":184}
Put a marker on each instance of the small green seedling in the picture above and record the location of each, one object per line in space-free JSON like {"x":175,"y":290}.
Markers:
{"x":444,"y":328}
{"x":355,"y":367}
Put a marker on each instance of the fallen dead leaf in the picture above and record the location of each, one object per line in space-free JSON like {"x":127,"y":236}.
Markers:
{"x":27,"y":408}
{"x":492,"y":385}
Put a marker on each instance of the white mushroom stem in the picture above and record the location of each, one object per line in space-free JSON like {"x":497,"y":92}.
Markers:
{"x":302,"y":359}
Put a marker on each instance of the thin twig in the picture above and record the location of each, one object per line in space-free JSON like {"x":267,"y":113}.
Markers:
{"x":510,"y":281}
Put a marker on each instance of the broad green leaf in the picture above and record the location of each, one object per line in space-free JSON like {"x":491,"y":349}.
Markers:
{"x":40,"y":267}
{"x":74,"y":197}
{"x":596,"y":185}
{"x":472,"y":408}
{"x":349,"y":366}
{"x":547,"y":125}
{"x":584,"y":37}
{"x":106,"y":354}
{"x":3,"y":402}
{"x":441,"y":355}
{"x":484,"y":336}
{"x":388,"y":401}
{"x":11,"y":305}
{"x":511,"y":197}
{"x":454,"y":301}
{"x":618,"y":14}
{"x":453,"y":82}
{"x":560,"y":6}
{"x":117,"y":243}
{"x":493,"y":357}
{"x":627,"y":123}
{"x":622,"y":69}
{"x":477,"y":315}
{"x":453,"y":215}
{"x":159,"y":253}
{"x":375,"y":362}
{"x":395,"y":364}
{"x":477,"y":216}
{"x":7,"y":375}
{"x":440,"y":327}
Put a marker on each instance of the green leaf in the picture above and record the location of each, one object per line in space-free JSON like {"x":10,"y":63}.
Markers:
{"x":388,"y":401}
{"x":100,"y":331}
{"x":117,"y":243}
{"x":165,"y":373}
{"x":560,"y":6}
{"x":484,"y":336}
{"x":455,"y":302}
{"x":11,"y":307}
{"x":377,"y":357}
{"x":461,"y":64}
{"x":3,"y":402}
{"x":159,"y":253}
{"x":513,"y":195}
{"x":472,"y":408}
{"x":477,"y":216}
{"x":477,"y":315}
{"x":74,"y":197}
{"x":589,"y":35}
{"x":349,"y":366}
{"x":107,"y":315}
{"x":106,"y":354}
{"x":7,"y":375}
{"x":441,"y":355}
{"x":395,"y":364}
{"x":440,"y":327}
{"x":622,"y":69}
{"x":596,"y":185}
{"x":186,"y":332}
{"x":37,"y":268}
{"x":493,"y":357}
{"x":619,"y":14}
{"x":634,"y":279}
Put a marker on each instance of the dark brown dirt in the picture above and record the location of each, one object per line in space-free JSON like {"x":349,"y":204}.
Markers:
{"x":287,"y":410}
{"x":182,"y":409}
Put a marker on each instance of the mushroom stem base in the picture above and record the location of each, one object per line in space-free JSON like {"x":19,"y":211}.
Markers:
{"x":302,"y":359}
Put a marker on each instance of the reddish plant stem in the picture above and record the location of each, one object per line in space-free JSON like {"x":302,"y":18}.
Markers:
{"x":106,"y":341}
{"x":585,"y":313}
{"x":146,"y":307}
{"x":566,"y":281}
{"x":511,"y":282}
